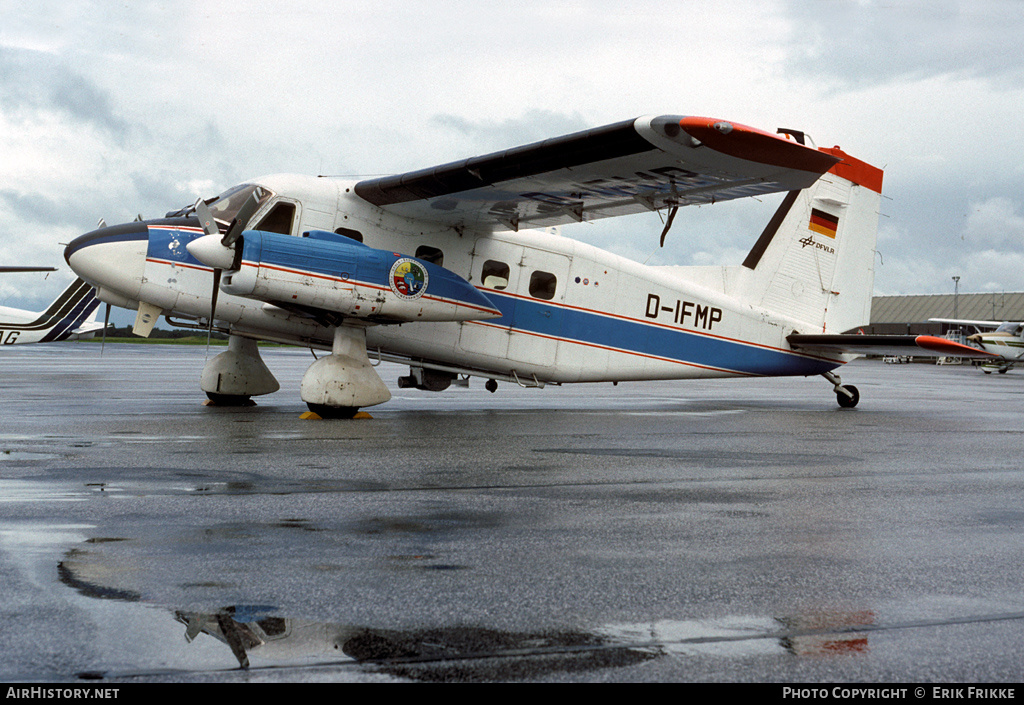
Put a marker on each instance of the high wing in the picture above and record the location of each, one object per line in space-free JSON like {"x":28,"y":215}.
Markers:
{"x":966,"y":322}
{"x":644,"y":164}
{"x":917,"y":345}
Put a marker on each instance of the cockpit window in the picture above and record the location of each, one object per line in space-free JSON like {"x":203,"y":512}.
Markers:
{"x":1008,"y":327}
{"x":279,"y":219}
{"x":226,"y":206}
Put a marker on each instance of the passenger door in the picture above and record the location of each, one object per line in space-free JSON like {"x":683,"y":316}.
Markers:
{"x":537,"y":319}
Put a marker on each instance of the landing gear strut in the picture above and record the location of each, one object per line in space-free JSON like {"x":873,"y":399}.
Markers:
{"x":337,"y":385}
{"x":847,"y":395}
{"x":236,"y":374}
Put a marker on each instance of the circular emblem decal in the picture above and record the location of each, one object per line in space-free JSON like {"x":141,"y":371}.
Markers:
{"x":408,"y":278}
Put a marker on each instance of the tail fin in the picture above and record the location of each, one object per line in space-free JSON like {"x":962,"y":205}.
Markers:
{"x":815,"y":262}
{"x":73,"y":308}
{"x":69,"y":315}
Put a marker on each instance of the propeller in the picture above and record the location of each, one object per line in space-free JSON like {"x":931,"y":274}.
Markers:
{"x":210,"y":227}
{"x":223,"y":254}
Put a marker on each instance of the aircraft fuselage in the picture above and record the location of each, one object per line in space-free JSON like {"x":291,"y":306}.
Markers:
{"x":569,"y":312}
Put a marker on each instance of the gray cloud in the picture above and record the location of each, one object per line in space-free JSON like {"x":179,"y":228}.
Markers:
{"x":34,"y":81}
{"x":492,"y":135}
{"x":37,"y":208}
{"x":859,"y":44}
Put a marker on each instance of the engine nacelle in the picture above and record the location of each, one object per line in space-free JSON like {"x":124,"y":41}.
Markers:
{"x":328,"y":271}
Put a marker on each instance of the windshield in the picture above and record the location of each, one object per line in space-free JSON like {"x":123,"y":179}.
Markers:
{"x":226,"y":206}
{"x":1007,"y":328}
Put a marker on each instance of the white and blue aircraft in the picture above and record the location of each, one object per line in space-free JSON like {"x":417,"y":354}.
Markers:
{"x":452,"y":269}
{"x":71,"y":316}
{"x":1004,"y":339}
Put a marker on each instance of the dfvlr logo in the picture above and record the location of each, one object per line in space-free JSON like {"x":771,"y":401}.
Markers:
{"x":700,"y":316}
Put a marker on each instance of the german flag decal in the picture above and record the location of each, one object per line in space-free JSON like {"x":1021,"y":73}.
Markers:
{"x":824,"y":223}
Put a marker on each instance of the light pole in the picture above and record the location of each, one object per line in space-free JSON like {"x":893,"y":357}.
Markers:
{"x":956,"y":297}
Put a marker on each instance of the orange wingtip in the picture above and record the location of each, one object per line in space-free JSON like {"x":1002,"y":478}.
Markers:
{"x":936,"y":344}
{"x":756,"y":145}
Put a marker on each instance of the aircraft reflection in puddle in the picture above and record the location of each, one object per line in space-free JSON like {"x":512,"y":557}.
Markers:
{"x":246,"y":628}
{"x":258,"y":636}
{"x":441,"y":654}
{"x":467,"y":653}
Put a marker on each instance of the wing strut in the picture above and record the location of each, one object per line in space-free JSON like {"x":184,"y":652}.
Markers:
{"x":668,"y":224}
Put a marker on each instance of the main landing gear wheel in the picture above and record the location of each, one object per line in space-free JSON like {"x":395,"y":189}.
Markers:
{"x":848,"y":401}
{"x":229,"y":399}
{"x":333,"y":412}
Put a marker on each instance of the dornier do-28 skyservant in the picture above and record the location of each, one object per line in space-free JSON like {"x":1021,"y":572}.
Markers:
{"x":451,"y":269}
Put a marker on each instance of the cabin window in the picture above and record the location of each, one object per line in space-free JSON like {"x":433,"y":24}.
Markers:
{"x":430,"y":254}
{"x":350,"y":233}
{"x":495,"y":275}
{"x":542,"y":285}
{"x":279,"y":219}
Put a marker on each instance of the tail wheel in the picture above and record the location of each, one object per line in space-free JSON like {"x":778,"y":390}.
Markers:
{"x":848,"y":402}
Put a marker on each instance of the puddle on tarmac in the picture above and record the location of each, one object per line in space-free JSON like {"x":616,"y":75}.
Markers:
{"x":259,"y":636}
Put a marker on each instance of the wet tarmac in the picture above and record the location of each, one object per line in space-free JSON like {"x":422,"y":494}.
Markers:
{"x":737,"y":531}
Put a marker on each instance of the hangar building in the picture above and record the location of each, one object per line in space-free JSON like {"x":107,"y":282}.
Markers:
{"x":896,"y":315}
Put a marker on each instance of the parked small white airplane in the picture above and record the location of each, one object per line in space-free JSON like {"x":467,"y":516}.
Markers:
{"x":70,"y":317}
{"x":1004,"y":339}
{"x":434,"y":268}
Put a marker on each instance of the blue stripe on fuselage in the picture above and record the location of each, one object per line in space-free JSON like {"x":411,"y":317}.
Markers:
{"x":640,"y":338}
{"x":346,"y":260}
{"x":167,"y":242}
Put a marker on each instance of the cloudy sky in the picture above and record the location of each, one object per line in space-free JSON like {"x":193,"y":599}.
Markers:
{"x":111,"y":109}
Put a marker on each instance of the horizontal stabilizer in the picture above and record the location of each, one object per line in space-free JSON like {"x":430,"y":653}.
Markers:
{"x":916,"y":345}
{"x":87,"y":328}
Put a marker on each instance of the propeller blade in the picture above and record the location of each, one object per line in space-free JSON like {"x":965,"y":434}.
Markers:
{"x":242,"y":218}
{"x":206,"y":221}
{"x":213,"y":307}
{"x":106,"y":322}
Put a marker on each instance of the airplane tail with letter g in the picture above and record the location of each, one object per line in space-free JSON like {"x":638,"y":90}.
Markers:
{"x":71,"y":316}
{"x":815,"y":261}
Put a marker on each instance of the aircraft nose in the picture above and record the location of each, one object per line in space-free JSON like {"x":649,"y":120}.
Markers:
{"x":111,"y":258}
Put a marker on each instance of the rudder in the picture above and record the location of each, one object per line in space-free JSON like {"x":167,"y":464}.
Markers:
{"x":814,"y":263}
